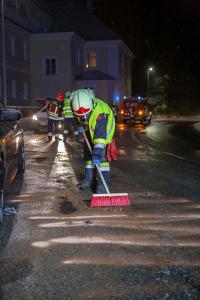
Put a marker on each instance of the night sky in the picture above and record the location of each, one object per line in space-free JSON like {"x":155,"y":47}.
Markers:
{"x":163,"y":34}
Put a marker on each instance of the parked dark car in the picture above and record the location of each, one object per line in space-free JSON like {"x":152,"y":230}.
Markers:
{"x":12,"y":159}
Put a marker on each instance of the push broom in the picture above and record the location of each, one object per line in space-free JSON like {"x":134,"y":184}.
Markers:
{"x":108,"y":199}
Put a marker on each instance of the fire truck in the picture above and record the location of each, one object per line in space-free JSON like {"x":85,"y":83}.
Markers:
{"x":133,"y":110}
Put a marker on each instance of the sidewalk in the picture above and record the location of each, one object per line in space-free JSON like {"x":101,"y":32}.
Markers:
{"x":195,"y":118}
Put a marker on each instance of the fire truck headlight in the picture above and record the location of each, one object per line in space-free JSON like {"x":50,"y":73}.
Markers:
{"x":140,"y":112}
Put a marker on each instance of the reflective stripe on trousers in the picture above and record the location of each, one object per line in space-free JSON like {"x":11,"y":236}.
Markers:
{"x":104,"y":166}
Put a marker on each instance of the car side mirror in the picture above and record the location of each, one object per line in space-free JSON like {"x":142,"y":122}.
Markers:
{"x":9,"y":114}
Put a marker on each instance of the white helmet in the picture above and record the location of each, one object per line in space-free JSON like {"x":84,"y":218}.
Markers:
{"x":82,"y":101}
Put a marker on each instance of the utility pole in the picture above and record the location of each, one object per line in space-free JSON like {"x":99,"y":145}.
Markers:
{"x":148,"y":71}
{"x":4,"y":54}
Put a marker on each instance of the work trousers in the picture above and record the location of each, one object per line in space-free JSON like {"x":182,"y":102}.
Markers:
{"x":53,"y":125}
{"x":91,"y":173}
{"x":69,"y":125}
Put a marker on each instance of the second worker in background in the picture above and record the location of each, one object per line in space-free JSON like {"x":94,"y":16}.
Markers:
{"x":69,"y":120}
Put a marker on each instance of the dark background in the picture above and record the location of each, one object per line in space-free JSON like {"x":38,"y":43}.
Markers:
{"x":162,"y":34}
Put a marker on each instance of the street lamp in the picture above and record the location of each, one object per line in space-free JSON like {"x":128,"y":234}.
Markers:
{"x":150,"y":69}
{"x":4,"y":53}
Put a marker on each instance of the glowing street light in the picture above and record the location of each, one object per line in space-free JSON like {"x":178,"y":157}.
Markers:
{"x":150,"y":69}
{"x":4,"y":53}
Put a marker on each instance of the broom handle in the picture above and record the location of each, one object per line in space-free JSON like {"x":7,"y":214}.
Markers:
{"x":98,"y":169}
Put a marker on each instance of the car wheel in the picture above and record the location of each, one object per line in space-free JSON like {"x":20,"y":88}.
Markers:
{"x":2,"y":174}
{"x":21,"y":162}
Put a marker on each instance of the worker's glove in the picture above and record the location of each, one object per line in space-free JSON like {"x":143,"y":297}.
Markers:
{"x":97,"y":154}
{"x":96,"y":162}
{"x":80,"y":129}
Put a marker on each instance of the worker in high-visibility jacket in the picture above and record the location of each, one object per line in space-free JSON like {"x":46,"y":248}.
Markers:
{"x":54,"y":113}
{"x":53,"y":106}
{"x":97,"y":119}
{"x":69,"y":120}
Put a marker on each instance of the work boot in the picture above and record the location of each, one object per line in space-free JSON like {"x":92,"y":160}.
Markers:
{"x":84,"y":185}
{"x":100,"y":189}
{"x":49,"y":138}
{"x":87,"y":182}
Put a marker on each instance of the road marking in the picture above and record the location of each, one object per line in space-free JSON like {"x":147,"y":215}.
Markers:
{"x":134,"y":240}
{"x":151,"y":147}
{"x":134,"y":260}
{"x":173,"y":155}
{"x":78,"y":217}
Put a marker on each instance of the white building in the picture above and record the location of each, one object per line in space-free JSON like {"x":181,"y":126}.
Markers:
{"x":74,"y":49}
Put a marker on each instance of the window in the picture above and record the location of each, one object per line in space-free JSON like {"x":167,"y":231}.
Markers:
{"x":23,"y":10}
{"x":11,"y":4}
{"x":25,"y":91}
{"x":91,"y":60}
{"x":13,"y":89}
{"x":25,"y":51}
{"x":12,"y":46}
{"x":50,"y":66}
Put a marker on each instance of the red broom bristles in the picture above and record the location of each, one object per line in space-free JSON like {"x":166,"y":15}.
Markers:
{"x":103,"y":200}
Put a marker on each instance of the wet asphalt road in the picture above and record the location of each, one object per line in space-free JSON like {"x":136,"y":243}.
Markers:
{"x":57,"y":247}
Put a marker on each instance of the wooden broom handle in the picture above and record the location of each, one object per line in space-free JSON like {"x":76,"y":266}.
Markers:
{"x":98,"y":169}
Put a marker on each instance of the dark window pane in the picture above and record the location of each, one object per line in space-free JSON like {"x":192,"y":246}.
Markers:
{"x":47,"y":66}
{"x":53,"y":66}
{"x":11,"y":4}
{"x":50,"y":66}
{"x":23,"y":10}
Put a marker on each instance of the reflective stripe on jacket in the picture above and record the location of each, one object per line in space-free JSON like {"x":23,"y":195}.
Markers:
{"x":101,"y":123}
{"x":54,"y":110}
{"x":67,"y":108}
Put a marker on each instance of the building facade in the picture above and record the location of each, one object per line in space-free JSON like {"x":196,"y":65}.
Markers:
{"x":42,"y":60}
{"x":108,"y":66}
{"x":21,"y":20}
{"x":64,"y":62}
